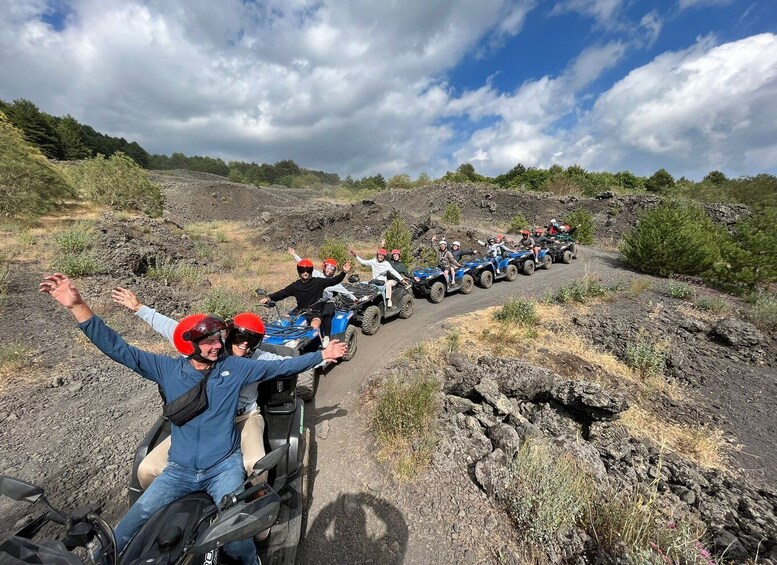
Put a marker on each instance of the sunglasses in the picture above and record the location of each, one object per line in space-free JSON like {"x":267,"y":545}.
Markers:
{"x":251,"y":339}
{"x":308,"y":270}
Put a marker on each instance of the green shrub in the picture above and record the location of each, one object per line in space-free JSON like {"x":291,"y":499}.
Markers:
{"x":749,"y":259}
{"x":763,"y":312}
{"x":584,"y":223}
{"x":12,"y":354}
{"x":581,"y":290}
{"x":428,"y":257}
{"x":118,"y":182}
{"x":518,"y":223}
{"x":452,"y":215}
{"x":404,"y":421}
{"x":677,"y":289}
{"x":169,"y":273}
{"x":519,"y":311}
{"x":75,"y":239}
{"x":673,"y":238}
{"x":29,"y":184}
{"x":398,"y":236}
{"x":548,"y":492}
{"x":224,"y":303}
{"x":81,"y":264}
{"x":453,"y":341}
{"x":714,"y":305}
{"x":334,"y":248}
{"x":645,"y":357}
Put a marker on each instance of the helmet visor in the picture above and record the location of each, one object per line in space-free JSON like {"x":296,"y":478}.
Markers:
{"x":251,"y":339}
{"x":308,"y":270}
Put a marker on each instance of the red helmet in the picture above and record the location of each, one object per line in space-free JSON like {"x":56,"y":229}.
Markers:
{"x":305,"y":266}
{"x":525,"y":232}
{"x":538,"y":231}
{"x":330,"y":261}
{"x":396,"y":252}
{"x":381,"y":251}
{"x":192,"y":329}
{"x":500,"y":237}
{"x":246,"y":328}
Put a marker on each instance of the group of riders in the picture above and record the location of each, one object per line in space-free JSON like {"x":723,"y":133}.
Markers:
{"x":219,"y":443}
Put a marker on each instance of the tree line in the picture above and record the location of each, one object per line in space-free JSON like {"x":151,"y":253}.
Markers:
{"x":65,"y":138}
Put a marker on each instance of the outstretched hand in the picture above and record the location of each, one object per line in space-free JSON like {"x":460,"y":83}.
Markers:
{"x":127,"y":298}
{"x":291,"y":251}
{"x":61,"y":289}
{"x":335,"y":350}
{"x":346,"y":266}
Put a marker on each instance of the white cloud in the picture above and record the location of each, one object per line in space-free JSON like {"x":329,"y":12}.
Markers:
{"x":703,"y":108}
{"x":651,"y":24}
{"x":695,"y":3}
{"x":603,"y":11}
{"x":344,"y":86}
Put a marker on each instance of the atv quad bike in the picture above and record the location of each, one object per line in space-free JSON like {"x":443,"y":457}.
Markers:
{"x":292,"y":331}
{"x":432,"y":283}
{"x":485,"y":272}
{"x":286,"y":438}
{"x":370,"y":304}
{"x":190,"y":530}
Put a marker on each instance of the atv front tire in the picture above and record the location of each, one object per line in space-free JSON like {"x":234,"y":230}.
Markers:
{"x":486,"y":279}
{"x":566,"y":257}
{"x":437,"y":292}
{"x":408,"y":305}
{"x":547,"y":261}
{"x":307,"y":384}
{"x":528,"y":267}
{"x":511,"y":273}
{"x":350,"y":338}
{"x":467,"y":282}
{"x":371,"y":320}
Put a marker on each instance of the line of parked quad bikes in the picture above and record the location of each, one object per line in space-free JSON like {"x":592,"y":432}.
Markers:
{"x":193,"y":529}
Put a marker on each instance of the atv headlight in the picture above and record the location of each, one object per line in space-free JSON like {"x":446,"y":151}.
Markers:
{"x":293,"y":343}
{"x":416,"y":279}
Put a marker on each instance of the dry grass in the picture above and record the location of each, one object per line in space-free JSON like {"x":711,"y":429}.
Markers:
{"x":701,"y":444}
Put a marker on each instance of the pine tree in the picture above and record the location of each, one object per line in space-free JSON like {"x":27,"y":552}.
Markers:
{"x":29,"y":184}
{"x":38,"y":127}
{"x":72,"y":137}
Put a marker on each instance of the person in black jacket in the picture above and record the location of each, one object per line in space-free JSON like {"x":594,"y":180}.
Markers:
{"x":458,"y":252}
{"x":308,"y":291}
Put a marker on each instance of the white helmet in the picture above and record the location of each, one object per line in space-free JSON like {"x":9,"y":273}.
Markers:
{"x":553,"y":221}
{"x":443,"y":242}
{"x":456,"y":243}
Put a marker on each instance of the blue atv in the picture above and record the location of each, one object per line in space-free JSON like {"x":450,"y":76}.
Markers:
{"x":484,"y":270}
{"x":524,"y":256}
{"x":370,"y":305}
{"x":292,"y":332}
{"x":431,"y":282}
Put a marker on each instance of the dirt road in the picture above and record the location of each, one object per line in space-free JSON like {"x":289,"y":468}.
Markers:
{"x":354,"y":514}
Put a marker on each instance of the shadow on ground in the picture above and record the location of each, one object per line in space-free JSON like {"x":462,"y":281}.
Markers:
{"x":357,"y":528}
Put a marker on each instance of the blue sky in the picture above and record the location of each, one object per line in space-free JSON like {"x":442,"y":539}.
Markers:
{"x":359,"y":86}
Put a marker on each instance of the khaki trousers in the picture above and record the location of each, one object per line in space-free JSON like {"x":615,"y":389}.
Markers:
{"x":251,"y":428}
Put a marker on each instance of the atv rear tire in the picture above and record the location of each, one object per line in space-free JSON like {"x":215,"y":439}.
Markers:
{"x":307,"y":384}
{"x":547,"y":261}
{"x":437,"y":292}
{"x":350,"y":338}
{"x":371,"y":320}
{"x":528,"y":267}
{"x":486,"y":279}
{"x":467,"y":282}
{"x":511,"y":272}
{"x":566,"y":257}
{"x":408,"y":304}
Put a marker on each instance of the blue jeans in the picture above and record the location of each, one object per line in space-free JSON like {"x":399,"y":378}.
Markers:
{"x":175,"y":482}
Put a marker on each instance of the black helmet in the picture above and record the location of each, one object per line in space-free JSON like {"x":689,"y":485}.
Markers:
{"x":491,"y":240}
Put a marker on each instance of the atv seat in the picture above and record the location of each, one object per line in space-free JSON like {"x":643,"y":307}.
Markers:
{"x":377,"y":282}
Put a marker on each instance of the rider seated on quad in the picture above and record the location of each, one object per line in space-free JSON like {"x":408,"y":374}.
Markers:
{"x":245,"y":333}
{"x":446,"y":260}
{"x":395,"y":259}
{"x":308,"y":292}
{"x":205,"y":449}
{"x":458,"y":252}
{"x":528,"y":243}
{"x":328,"y":269}
{"x":381,"y":269}
{"x":540,"y":238}
{"x":494,"y":250}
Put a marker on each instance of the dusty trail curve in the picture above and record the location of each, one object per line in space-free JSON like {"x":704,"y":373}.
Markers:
{"x":342,"y":527}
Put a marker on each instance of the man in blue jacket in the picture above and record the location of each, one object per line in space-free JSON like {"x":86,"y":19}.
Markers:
{"x":205,"y":451}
